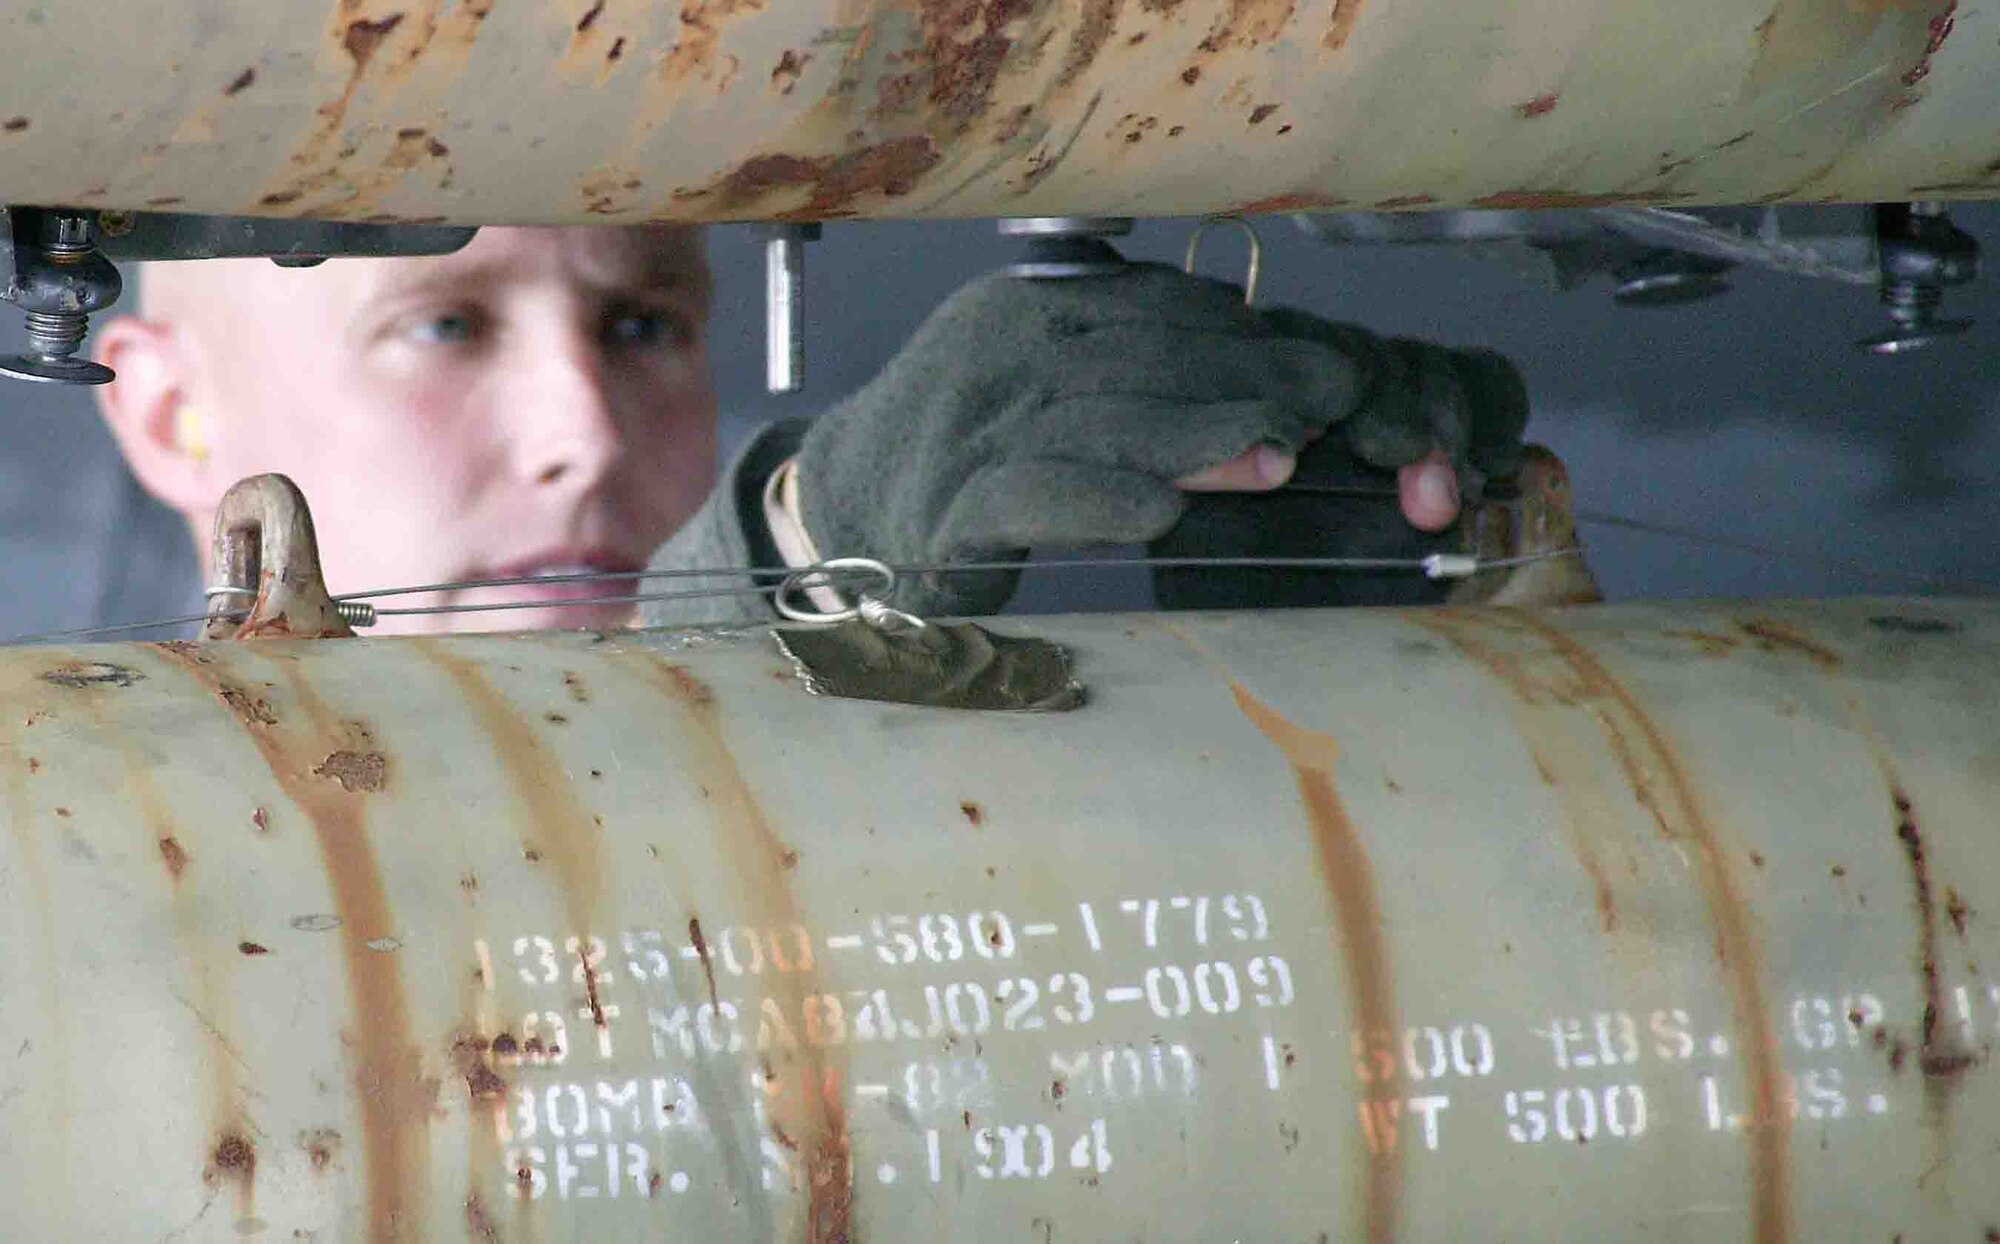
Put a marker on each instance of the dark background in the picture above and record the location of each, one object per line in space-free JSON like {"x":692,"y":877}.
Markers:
{"x":1751,"y":417}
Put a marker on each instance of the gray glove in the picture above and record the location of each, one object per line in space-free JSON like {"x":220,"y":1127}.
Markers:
{"x":1472,"y":404}
{"x":1058,"y":414}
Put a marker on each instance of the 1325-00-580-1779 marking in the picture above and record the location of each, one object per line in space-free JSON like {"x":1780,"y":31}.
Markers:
{"x":583,"y":1125}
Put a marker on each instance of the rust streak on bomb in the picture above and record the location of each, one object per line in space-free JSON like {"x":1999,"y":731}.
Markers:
{"x":1662,"y":785}
{"x":1349,"y":877}
{"x":1540,"y":712}
{"x":391,"y":1092}
{"x":1939,"y":1055}
{"x":700,"y":944}
{"x":1566,"y":693}
{"x":559,"y":828}
{"x":832,"y":183}
{"x":814,"y":1113}
{"x":1773,"y":635}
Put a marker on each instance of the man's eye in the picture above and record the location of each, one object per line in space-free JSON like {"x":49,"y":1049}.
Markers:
{"x":644,"y":329}
{"x":445,"y":330}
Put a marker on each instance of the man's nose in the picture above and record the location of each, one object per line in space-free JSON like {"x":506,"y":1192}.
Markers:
{"x":568,"y":435}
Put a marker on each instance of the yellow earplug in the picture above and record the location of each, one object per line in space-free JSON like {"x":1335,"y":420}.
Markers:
{"x":191,"y":431}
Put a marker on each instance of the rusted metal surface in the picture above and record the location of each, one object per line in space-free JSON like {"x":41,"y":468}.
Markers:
{"x":484,"y":111}
{"x":1468,"y":923}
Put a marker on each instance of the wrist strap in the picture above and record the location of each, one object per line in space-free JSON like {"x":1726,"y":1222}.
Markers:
{"x":784,"y":516}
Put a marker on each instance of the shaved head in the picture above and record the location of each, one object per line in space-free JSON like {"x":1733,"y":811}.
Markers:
{"x":538,"y":400}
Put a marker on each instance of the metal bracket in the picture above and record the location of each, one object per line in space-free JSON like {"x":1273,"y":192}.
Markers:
{"x":871,"y":650}
{"x":942,"y":665}
{"x":57,"y":276}
{"x":1923,"y":254}
{"x":148,"y":237}
{"x":266,"y":553}
{"x":1537,"y":520}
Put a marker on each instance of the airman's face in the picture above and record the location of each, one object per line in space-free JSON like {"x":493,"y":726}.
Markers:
{"x":536,"y":403}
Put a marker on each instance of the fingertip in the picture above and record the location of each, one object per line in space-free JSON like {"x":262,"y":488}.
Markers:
{"x":1254,"y":470}
{"x":1275,"y":466}
{"x":1429,"y":493}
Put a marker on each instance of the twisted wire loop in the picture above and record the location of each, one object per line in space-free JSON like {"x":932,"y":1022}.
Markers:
{"x":869,"y":605}
{"x":352,"y":612}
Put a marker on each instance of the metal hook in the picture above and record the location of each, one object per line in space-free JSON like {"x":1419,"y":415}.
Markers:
{"x":1256,"y":252}
{"x":264,"y":550}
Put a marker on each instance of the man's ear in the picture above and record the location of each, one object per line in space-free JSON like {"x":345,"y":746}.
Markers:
{"x":152,"y":414}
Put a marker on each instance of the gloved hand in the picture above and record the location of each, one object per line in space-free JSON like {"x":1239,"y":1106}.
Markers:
{"x":1059,"y":414}
{"x":1471,"y":404}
